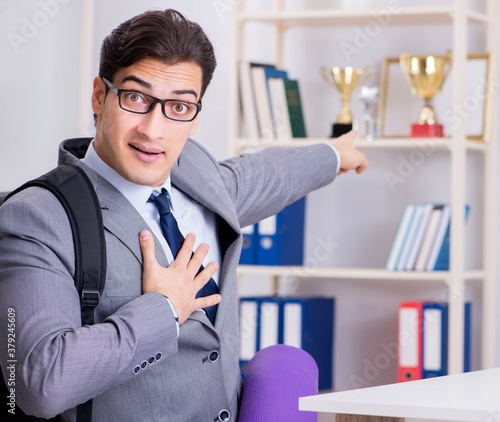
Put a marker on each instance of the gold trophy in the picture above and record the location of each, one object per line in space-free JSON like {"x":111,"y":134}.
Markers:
{"x":345,"y":81}
{"x":426,"y":75}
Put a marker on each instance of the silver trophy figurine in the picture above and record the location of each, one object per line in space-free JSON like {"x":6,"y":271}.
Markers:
{"x":368,"y":128}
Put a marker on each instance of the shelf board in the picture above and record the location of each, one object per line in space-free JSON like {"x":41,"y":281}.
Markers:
{"x":353,"y":273}
{"x":432,"y":15}
{"x":379,"y":143}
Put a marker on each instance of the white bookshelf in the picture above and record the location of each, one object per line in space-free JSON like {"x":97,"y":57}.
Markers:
{"x":458,"y":17}
{"x":438,"y":144}
{"x":361,"y":274}
{"x":434,"y":15}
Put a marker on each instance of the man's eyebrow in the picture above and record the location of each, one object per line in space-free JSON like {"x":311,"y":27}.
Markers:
{"x":147,"y":85}
{"x":138,"y":80}
{"x":185,"y":91}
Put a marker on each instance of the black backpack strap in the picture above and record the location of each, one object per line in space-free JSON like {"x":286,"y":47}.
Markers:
{"x":72,"y":187}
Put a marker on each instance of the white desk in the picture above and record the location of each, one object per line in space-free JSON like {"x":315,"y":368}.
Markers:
{"x":469,"y":397}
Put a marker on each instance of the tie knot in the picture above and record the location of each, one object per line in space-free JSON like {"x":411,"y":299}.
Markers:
{"x":162,"y":201}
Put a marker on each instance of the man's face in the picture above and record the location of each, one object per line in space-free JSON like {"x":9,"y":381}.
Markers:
{"x":143,"y":148}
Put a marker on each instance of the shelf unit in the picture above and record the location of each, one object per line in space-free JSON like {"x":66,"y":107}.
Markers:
{"x":439,"y":144}
{"x":458,"y":17}
{"x":355,"y":273}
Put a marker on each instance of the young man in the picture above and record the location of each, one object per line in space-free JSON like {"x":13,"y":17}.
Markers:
{"x":153,"y":353}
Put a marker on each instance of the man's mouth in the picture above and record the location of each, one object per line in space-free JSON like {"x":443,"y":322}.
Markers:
{"x":149,"y":151}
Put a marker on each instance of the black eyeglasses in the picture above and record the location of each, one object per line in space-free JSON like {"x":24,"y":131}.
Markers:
{"x":140,"y":103}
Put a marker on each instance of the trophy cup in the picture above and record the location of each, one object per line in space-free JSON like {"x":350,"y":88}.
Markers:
{"x":345,"y":81}
{"x":426,"y":75}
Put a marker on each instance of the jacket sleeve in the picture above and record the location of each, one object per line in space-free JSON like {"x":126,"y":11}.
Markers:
{"x":262,"y":184}
{"x":56,"y":359}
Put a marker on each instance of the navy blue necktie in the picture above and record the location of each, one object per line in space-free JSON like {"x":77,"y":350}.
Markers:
{"x":174,"y":238}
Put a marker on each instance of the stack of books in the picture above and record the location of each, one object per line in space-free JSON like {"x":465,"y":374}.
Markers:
{"x":270,"y":103}
{"x":422,"y":240}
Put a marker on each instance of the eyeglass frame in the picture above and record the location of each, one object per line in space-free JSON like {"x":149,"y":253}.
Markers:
{"x":119,"y":92}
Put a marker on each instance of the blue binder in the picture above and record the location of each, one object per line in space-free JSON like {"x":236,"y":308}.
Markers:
{"x":435,"y":339}
{"x":281,"y":237}
{"x":308,"y":323}
{"x":467,"y":337}
{"x":249,"y":248}
{"x":250,"y":309}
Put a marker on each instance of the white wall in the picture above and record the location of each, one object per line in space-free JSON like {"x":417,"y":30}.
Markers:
{"x":41,"y":74}
{"x":42,"y":79}
{"x":39,"y":83}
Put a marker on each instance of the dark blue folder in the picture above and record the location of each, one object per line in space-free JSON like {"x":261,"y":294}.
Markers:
{"x":281,"y":237}
{"x":436,"y":318}
{"x":250,"y":244}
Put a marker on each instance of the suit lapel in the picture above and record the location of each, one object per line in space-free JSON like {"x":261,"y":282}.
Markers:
{"x":214,"y":196}
{"x":123,"y":221}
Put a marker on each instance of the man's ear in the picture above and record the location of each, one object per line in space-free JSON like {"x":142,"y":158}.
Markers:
{"x":98,"y":96}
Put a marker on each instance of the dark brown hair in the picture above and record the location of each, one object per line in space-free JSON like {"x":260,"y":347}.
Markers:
{"x":162,"y":35}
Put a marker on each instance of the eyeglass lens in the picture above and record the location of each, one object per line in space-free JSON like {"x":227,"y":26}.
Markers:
{"x":137,"y":102}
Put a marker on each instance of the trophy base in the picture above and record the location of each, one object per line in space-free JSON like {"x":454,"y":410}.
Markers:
{"x":339,"y":129}
{"x":426,"y":130}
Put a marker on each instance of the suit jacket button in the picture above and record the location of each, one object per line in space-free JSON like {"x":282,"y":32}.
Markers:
{"x":213,"y":356}
{"x":151,"y":360}
{"x":137,"y":369}
{"x":224,"y":416}
{"x":158,"y":356}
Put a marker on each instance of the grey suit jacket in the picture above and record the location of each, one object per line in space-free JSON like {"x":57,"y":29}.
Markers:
{"x":131,"y":362}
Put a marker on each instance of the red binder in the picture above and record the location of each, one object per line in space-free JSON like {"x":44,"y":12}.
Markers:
{"x":410,"y":341}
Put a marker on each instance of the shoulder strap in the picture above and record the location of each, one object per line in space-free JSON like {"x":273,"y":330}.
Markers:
{"x":75,"y":191}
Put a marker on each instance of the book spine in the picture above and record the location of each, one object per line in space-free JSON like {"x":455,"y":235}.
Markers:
{"x":295,"y":109}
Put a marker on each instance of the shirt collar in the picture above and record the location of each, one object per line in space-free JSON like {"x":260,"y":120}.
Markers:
{"x":136,"y":194}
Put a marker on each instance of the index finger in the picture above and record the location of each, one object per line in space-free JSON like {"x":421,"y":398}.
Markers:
{"x":186,"y":249}
{"x":362,"y":167}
